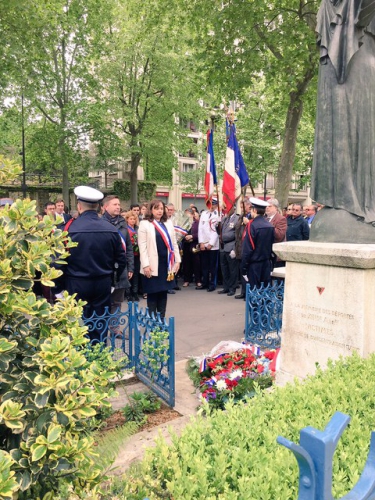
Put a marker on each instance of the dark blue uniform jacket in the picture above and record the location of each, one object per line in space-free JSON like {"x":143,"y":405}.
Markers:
{"x":99,"y":248}
{"x":256,"y":251}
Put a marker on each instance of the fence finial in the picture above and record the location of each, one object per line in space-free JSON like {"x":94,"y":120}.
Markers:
{"x":314,"y":455}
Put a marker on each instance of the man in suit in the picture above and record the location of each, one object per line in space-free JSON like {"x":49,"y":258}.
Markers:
{"x":60,"y":210}
{"x":276,"y":219}
{"x":280,"y":224}
{"x":311,"y":211}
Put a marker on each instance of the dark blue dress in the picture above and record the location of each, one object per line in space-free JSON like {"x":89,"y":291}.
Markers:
{"x":159,"y":283}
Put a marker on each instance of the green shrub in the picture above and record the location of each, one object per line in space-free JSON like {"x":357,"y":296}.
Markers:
{"x":154,"y":352}
{"x":234,"y":454}
{"x":46,"y":400}
{"x":8,"y":484}
{"x":146,"y":190}
{"x":141,"y":403}
{"x":106,"y":360}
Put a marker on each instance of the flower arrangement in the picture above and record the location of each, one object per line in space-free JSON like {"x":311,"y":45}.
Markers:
{"x":233,"y":375}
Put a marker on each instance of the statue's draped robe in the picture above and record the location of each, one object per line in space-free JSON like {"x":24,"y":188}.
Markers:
{"x":344,"y":151}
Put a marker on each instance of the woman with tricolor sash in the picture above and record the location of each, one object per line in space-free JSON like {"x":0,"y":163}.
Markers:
{"x":159,"y":255}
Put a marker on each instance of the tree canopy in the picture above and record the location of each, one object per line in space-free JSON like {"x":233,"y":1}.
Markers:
{"x":110,"y":81}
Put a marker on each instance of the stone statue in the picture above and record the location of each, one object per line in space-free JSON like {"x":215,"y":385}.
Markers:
{"x":343,"y":176}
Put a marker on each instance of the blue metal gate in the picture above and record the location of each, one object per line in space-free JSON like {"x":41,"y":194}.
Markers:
{"x":154,"y":359}
{"x":137,"y":334}
{"x":263,"y":315}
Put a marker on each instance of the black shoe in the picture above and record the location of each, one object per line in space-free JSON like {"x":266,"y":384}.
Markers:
{"x":231,"y":293}
{"x":211,"y":289}
{"x":202,"y":287}
{"x":177,"y":288}
{"x":240,"y":296}
{"x":172,"y":292}
{"x":222,"y":291}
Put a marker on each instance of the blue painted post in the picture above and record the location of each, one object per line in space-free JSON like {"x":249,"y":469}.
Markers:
{"x":171,"y":364}
{"x":314,"y":455}
{"x":132,"y":309}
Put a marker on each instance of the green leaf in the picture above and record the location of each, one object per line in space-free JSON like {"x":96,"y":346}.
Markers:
{"x":41,"y":399}
{"x":22,"y":283}
{"x":38,"y":452}
{"x":87,"y":411}
{"x":30,"y":376}
{"x":16,"y":425}
{"x":24,"y":480}
{"x":54,"y":433}
{"x":16,"y":454}
{"x":6,"y":345}
{"x":48,"y":283}
{"x":42,"y":420}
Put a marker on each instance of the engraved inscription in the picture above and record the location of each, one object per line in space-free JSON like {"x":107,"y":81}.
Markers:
{"x":323,"y":325}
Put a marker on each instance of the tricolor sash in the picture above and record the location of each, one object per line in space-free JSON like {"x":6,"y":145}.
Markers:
{"x":131,"y":230}
{"x":181,"y":231}
{"x":163,"y":231}
{"x":123,"y":242}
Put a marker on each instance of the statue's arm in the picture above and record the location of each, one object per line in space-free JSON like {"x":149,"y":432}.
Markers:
{"x":365,"y":12}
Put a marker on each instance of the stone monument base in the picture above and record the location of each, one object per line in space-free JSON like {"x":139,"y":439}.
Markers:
{"x":329,"y":305}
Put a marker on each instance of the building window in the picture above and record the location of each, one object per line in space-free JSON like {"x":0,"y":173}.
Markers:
{"x":188,"y":167}
{"x":270,"y":181}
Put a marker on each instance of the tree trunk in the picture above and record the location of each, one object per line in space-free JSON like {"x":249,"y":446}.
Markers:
{"x":293,"y":117}
{"x":64,"y":169}
{"x":135,"y":159}
{"x":285,"y":168}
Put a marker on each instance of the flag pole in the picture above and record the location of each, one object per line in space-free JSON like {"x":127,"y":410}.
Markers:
{"x":230,"y":118}
{"x":217,"y":186}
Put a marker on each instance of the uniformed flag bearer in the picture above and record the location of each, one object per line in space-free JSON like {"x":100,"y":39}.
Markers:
{"x":258,"y":238}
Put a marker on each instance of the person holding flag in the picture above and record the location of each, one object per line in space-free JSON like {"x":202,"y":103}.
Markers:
{"x":159,"y":255}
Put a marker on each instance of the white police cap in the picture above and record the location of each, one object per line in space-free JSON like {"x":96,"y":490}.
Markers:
{"x":88,"y":194}
{"x":257,"y":203}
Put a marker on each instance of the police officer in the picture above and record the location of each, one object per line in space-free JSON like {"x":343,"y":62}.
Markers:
{"x":257,"y":246}
{"x":92,"y":264}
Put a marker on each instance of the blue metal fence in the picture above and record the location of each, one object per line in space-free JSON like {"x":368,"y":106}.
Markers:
{"x":155,"y":366}
{"x":263,"y":315}
{"x":133,"y":332}
{"x":314,"y":455}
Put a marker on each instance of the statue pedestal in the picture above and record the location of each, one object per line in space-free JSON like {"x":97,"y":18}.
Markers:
{"x":329,"y":304}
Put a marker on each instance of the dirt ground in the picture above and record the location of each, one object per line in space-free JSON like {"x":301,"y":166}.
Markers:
{"x":161,"y":416}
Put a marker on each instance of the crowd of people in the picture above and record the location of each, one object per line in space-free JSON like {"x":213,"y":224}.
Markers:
{"x":124,"y":254}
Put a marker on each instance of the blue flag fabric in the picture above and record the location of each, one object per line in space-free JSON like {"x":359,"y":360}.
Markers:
{"x":239,"y":164}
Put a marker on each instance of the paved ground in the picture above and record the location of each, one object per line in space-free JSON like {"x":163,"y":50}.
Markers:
{"x":202,"y":320}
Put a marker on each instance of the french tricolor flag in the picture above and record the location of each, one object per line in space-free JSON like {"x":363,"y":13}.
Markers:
{"x":235,"y":174}
{"x":210,"y":177}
